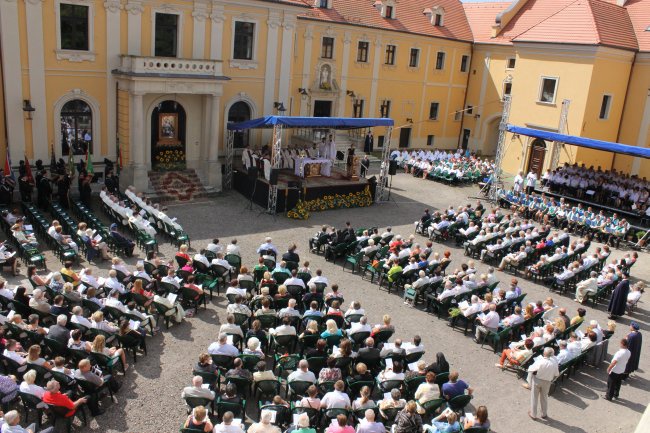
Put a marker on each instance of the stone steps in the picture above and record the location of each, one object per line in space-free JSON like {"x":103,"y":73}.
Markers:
{"x":174,"y":186}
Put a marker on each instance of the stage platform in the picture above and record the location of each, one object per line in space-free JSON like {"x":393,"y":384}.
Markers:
{"x":312,"y":188}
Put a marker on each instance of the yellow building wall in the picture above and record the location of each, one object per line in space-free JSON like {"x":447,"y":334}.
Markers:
{"x":633,"y":116}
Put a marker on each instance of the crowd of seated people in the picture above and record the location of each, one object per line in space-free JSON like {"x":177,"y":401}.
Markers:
{"x":331,"y":368}
{"x":608,"y":188}
{"x":445,"y":166}
{"x":607,"y":228}
{"x":66,"y":343}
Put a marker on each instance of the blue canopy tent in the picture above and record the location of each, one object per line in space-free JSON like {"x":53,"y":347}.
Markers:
{"x":606,"y":146}
{"x":277,"y":123}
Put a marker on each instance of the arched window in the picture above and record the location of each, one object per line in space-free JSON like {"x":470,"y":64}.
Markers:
{"x":240,"y":112}
{"x":76,"y":128}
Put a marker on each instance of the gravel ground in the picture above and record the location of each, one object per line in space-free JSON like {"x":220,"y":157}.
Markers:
{"x":149,"y":400}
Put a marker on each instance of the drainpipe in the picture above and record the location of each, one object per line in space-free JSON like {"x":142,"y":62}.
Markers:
{"x":462,"y":117}
{"x":627,"y":92}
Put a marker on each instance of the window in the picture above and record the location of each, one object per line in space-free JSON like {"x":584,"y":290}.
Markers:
{"x":457,"y":115}
{"x":605,"y":106}
{"x":433,"y":111}
{"x":510,"y":63}
{"x":322,"y":4}
{"x":390,"y":54}
{"x":358,"y":108}
{"x":470,"y":110}
{"x":385,"y":109}
{"x":380,"y":141}
{"x":414,"y":59}
{"x":464,"y":63}
{"x":440,"y":60}
{"x":74,"y":27}
{"x":244,"y":37}
{"x":327,"y":50}
{"x":76,"y":128}
{"x":166,"y":36}
{"x":430,"y":139}
{"x":547,"y":90}
{"x":389,"y":12}
{"x":507,"y":88}
{"x":362,"y":52}
{"x":437,"y":20}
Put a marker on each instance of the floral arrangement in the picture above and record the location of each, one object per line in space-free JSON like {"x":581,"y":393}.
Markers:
{"x":170,"y":159}
{"x":336,"y":201}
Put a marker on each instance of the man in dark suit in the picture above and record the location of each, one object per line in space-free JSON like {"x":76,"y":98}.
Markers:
{"x":290,"y":255}
{"x":59,"y":332}
{"x":365,"y":165}
{"x":122,"y":241}
{"x":58,"y":308}
{"x":370,"y":355}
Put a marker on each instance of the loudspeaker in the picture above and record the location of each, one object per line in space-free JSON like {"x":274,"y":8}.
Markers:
{"x":392,"y":167}
{"x":273,"y":180}
{"x":252,"y":173}
{"x":372,"y":179}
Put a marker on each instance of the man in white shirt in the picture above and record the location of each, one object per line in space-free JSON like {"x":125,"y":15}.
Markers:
{"x":531,"y":179}
{"x":543,"y":372}
{"x":112,"y":283}
{"x":302,"y":373}
{"x":222,"y":347}
{"x":77,"y":317}
{"x":140,"y":272}
{"x":616,"y":370}
{"x":114,"y":301}
{"x":267,"y":246}
{"x":233,"y":248}
{"x":227,"y":426}
{"x":171,"y":278}
{"x":290,"y":310}
{"x":214,"y":246}
{"x":587,"y":286}
{"x":293,"y":280}
{"x":198,"y":257}
{"x":563,"y":355}
{"x":285,"y":329}
{"x":319,"y":278}
{"x":230,"y":328}
{"x":489,"y":322}
{"x":219,"y":260}
{"x":234,"y":289}
{"x":360,"y":326}
{"x":336,"y":399}
{"x":5,"y":291}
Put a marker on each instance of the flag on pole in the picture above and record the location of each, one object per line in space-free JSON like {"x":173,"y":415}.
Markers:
{"x":89,"y":163}
{"x":28,"y":171}
{"x":70,"y":162}
{"x":52,"y":158}
{"x":8,"y":171}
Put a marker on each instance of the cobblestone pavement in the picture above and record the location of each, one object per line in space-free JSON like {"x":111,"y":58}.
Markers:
{"x":150,"y":399}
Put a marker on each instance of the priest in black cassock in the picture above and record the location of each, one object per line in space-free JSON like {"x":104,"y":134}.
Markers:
{"x":618,"y":302}
{"x":634,"y":341}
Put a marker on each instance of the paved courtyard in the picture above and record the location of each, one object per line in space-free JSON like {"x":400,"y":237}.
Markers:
{"x":149,"y":400}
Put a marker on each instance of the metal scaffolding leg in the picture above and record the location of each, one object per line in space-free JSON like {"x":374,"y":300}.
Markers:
{"x":382,"y":193}
{"x":276,"y":162}
{"x":557,"y":146}
{"x":497,"y":176}
{"x":227,"y":184}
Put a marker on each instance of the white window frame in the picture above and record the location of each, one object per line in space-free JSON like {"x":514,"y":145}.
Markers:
{"x":245,"y":63}
{"x":508,"y":68}
{"x":437,"y":111}
{"x":394,"y":55}
{"x":469,"y":110}
{"x":179,"y":31}
{"x":467,"y":65}
{"x":76,"y":55}
{"x":444,"y":61}
{"x":333,"y":38}
{"x":356,"y":55}
{"x":541,"y":88}
{"x":609,"y":106}
{"x":417,"y":65}
{"x":503,"y":91}
{"x":384,"y":11}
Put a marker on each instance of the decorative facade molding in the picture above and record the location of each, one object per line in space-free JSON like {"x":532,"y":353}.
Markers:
{"x":347,"y":38}
{"x":112,"y":5}
{"x":134,"y":7}
{"x":309,"y":33}
{"x":34,"y":2}
{"x":75,"y":56}
{"x":217,"y":15}
{"x":243,"y":64}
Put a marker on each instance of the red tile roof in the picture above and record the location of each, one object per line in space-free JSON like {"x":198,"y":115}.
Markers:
{"x":639,"y":12}
{"x":408,"y":17}
{"x":481,"y":17}
{"x":587,"y":22}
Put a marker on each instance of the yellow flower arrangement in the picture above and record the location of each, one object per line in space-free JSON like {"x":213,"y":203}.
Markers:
{"x":336,"y":201}
{"x":170,"y":159}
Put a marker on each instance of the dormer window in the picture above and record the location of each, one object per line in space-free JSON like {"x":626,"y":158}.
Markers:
{"x":323,"y":4}
{"x":388,"y":12}
{"x":386,"y":8}
{"x":436,"y":15}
